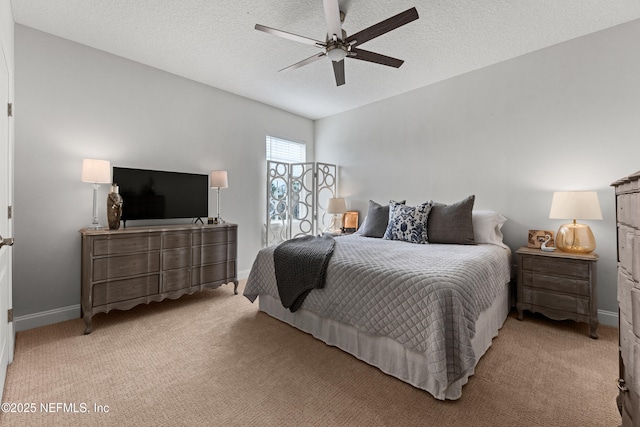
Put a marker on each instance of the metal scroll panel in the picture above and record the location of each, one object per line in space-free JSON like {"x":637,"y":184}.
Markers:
{"x":277,"y":225}
{"x":297,"y":196}
{"x":326,"y":188}
{"x":302,"y":199}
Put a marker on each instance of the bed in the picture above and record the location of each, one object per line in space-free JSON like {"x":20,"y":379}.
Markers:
{"x":422,"y":313}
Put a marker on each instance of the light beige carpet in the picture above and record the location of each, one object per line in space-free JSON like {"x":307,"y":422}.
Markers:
{"x":212,"y":359}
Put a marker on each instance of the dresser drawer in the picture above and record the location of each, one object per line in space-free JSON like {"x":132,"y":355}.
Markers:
{"x":209,"y":273}
{"x":125,"y":265}
{"x":558,"y":284}
{"x":212,"y":253}
{"x":556,"y":266}
{"x":176,"y":279}
{"x":211,"y":237}
{"x":626,"y":236}
{"x":125,"y":245}
{"x":625,"y":284}
{"x":123,"y":290}
{"x":626,"y":340}
{"x":635,"y":260}
{"x":180,"y":240}
{"x":176,"y":258}
{"x":554,"y":301}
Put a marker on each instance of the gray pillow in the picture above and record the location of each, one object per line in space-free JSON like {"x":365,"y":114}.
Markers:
{"x":376,"y":221}
{"x":451,"y":223}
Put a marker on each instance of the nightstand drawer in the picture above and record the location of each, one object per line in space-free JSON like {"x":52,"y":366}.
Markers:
{"x":559,"y":284}
{"x":568,"y":303}
{"x":556,"y":266}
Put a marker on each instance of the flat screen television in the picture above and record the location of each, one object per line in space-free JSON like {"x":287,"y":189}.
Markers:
{"x":151,"y":194}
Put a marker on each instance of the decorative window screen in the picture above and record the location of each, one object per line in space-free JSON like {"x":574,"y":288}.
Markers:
{"x":297,"y":197}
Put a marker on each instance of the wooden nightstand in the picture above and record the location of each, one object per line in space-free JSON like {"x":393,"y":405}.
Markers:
{"x":558,"y":284}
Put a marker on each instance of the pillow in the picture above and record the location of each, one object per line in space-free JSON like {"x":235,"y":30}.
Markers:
{"x":452,"y":223}
{"x":487,"y":227}
{"x":376,"y":221}
{"x":408,"y":223}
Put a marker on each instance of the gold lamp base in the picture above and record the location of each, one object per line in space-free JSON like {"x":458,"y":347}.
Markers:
{"x":575,"y":238}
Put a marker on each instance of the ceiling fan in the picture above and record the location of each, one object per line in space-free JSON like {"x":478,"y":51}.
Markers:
{"x":338,"y":46}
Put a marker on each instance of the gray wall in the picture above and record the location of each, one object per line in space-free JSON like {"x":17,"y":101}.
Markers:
{"x":563,"y":118}
{"x":74,"y":102}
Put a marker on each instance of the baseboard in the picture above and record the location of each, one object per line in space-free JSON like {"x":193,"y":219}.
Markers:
{"x":608,"y":318}
{"x":243,"y":274}
{"x":44,"y":318}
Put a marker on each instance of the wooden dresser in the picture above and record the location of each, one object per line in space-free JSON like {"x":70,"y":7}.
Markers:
{"x":131,"y":266}
{"x":558,"y":284}
{"x":628,"y":221}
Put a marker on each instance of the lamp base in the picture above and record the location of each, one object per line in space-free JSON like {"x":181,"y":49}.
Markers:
{"x":335,"y":225}
{"x":575,"y":238}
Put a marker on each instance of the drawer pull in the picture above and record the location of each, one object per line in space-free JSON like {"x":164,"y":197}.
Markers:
{"x":620,"y":383}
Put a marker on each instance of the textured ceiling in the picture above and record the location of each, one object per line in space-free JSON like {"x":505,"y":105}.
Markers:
{"x":214,"y":41}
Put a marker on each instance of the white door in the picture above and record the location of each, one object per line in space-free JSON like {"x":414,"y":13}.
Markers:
{"x":6,"y":226}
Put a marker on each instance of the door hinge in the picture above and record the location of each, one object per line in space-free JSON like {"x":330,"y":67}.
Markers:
{"x":10,"y":315}
{"x":10,"y":109}
{"x":9,"y":212}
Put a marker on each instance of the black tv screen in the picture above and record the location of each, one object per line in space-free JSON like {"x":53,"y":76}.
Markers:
{"x":150,"y":194}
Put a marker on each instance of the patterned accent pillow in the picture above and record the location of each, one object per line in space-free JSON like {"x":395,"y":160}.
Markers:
{"x":408,"y":223}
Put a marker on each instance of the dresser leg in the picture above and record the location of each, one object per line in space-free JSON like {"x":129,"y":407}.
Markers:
{"x":593,"y":326}
{"x":235,"y":287}
{"x":520,"y":312}
{"x":87,"y":324}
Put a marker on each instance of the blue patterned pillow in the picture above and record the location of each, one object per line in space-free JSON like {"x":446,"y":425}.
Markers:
{"x":408,"y":223}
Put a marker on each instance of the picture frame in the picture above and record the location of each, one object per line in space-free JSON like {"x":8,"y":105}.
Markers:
{"x":350,"y":222}
{"x":537,"y":238}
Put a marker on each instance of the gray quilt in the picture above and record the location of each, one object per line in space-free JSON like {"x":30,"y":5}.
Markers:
{"x":426,"y":297}
{"x":300,"y":267}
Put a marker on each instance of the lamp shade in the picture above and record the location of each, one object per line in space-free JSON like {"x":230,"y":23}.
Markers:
{"x":575,"y":205}
{"x":336,"y":205}
{"x":96,"y":171}
{"x":219,"y":179}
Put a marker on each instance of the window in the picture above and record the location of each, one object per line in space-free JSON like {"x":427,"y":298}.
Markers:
{"x":281,"y":150}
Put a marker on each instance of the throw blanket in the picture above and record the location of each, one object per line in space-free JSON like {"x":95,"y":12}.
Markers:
{"x":301,"y":266}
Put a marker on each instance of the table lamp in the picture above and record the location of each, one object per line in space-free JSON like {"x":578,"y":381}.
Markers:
{"x":335,"y":207}
{"x":96,"y":172}
{"x":219,"y":180}
{"x":575,"y":237}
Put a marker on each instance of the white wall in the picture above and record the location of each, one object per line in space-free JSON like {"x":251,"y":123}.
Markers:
{"x":563,"y":118}
{"x":75,"y":102}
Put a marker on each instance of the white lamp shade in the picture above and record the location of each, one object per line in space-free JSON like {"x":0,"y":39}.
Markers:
{"x":336,"y":205}
{"x":575,"y":205}
{"x":219,"y":179}
{"x":96,"y":171}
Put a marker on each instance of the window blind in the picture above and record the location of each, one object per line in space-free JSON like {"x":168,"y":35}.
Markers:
{"x":281,"y":150}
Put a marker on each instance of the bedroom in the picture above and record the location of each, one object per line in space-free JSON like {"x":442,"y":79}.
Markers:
{"x":514,"y":129}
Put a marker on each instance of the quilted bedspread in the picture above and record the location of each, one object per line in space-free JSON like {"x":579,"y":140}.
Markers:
{"x":426,"y":297}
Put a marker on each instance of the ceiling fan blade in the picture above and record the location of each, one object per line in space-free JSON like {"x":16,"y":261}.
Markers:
{"x":365,"y":55}
{"x":338,"y":70}
{"x":332,"y":15}
{"x":290,"y":36}
{"x":383,"y":27}
{"x":309,"y":60}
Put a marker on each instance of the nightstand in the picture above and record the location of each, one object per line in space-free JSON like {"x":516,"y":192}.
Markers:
{"x":558,"y":284}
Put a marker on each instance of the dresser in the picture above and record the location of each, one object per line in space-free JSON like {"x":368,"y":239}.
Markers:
{"x":136,"y":265}
{"x":628,"y":222}
{"x":558,"y":284}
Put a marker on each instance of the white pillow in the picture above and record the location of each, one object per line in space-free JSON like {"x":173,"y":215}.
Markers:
{"x":487,"y":227}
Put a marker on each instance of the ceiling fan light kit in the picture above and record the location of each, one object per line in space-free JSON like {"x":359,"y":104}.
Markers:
{"x":338,"y":46}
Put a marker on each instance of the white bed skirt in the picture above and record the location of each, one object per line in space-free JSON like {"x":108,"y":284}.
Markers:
{"x":385,"y":353}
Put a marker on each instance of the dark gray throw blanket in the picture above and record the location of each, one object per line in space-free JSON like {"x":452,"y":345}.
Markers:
{"x":301,"y":266}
